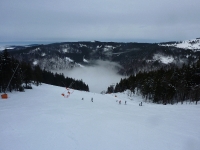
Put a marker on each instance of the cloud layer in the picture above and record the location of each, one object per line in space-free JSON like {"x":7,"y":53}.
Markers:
{"x":98,"y":77}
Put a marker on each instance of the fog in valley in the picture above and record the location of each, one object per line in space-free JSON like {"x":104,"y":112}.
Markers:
{"x":98,"y":76}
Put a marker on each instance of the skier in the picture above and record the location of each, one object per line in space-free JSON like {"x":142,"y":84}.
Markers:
{"x":125,"y":102}
{"x":91,"y":99}
{"x":82,"y":98}
{"x":119,"y":101}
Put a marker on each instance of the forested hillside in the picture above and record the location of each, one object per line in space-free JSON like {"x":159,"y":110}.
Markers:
{"x":166,"y":85}
{"x":17,"y":75}
{"x":133,"y":57}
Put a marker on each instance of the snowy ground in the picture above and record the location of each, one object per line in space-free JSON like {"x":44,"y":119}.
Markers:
{"x":41,"y":119}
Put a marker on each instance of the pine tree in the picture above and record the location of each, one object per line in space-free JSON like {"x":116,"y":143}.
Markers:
{"x":37,"y":72}
{"x":6,"y":70}
{"x":27,"y":73}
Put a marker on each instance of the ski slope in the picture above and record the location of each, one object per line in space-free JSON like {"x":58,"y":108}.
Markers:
{"x":42,"y":119}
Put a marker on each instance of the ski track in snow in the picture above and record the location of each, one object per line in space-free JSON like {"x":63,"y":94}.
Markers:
{"x":41,"y":119}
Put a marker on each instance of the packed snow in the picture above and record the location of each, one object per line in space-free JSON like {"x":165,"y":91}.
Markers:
{"x":42,"y":119}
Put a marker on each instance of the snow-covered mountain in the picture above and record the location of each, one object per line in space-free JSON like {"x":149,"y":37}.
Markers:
{"x":133,"y":57}
{"x":42,"y":119}
{"x":193,"y":44}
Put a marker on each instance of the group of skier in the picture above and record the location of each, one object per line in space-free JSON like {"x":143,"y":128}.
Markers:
{"x":91,"y":99}
{"x":120,"y":102}
{"x":140,"y":104}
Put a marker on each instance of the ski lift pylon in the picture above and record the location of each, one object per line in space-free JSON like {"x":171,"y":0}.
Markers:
{"x":5,"y":96}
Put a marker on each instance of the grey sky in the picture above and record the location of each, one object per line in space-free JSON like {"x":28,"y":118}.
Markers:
{"x":104,"y":20}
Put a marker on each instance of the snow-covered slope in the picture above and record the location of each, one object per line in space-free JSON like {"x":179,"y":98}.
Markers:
{"x":42,"y":119}
{"x":193,"y":44}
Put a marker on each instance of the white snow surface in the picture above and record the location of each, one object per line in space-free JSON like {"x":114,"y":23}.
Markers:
{"x":69,"y":59}
{"x":65,"y":50}
{"x":4,"y":47}
{"x":163,"y":59}
{"x":108,"y":48}
{"x":43,"y":54}
{"x":42,"y":119}
{"x":35,"y":62}
{"x":85,"y":60}
{"x":99,"y":46}
{"x":193,"y":44}
{"x":82,"y":45}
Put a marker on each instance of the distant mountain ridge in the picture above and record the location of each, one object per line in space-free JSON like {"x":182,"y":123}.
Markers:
{"x":133,"y":57}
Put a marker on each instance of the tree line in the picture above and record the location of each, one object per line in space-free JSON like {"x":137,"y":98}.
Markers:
{"x":18,"y":75}
{"x":166,"y":85}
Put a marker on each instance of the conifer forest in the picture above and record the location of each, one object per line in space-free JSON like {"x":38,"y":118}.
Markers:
{"x":17,"y":75}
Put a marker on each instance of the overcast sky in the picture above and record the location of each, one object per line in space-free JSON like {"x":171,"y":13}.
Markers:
{"x":104,"y":20}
